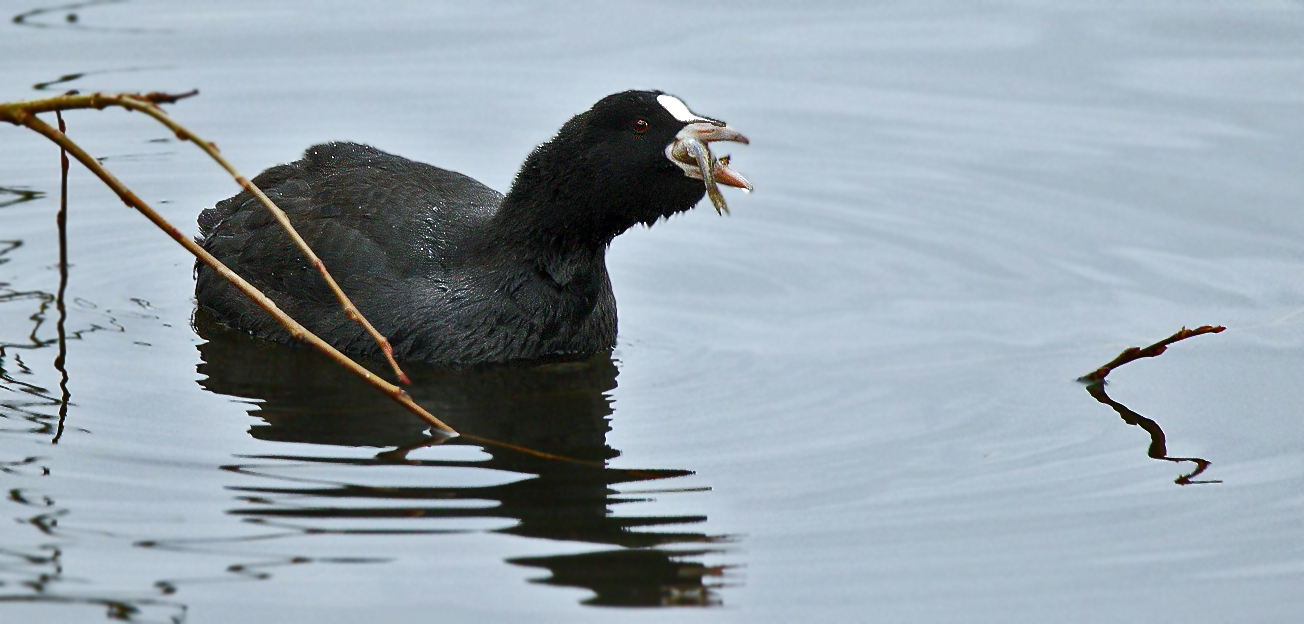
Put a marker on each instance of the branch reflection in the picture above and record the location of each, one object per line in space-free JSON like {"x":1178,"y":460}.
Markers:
{"x":1158,"y":443}
{"x":559,"y":408}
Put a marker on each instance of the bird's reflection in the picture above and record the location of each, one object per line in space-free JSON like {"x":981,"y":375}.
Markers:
{"x":1158,"y":443}
{"x":557,"y":409}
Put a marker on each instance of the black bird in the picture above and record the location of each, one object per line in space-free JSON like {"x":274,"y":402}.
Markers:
{"x":448,"y":269}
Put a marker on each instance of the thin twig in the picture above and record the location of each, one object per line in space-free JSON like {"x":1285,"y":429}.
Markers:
{"x":1135,"y":353}
{"x":19,"y":112}
{"x":296,"y":330}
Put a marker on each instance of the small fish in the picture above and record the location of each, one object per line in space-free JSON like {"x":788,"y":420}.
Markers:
{"x":691,"y":151}
{"x":700,"y":151}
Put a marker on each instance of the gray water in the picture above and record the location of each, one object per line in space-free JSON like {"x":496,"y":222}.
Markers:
{"x":852,"y":400}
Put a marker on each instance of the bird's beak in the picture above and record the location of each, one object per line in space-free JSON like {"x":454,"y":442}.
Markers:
{"x":682,"y":152}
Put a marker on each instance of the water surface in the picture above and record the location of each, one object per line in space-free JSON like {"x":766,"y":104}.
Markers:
{"x":852,"y":400}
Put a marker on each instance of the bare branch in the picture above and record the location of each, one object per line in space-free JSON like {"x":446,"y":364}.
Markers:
{"x":1135,"y":353}
{"x":20,"y":112}
{"x":17,"y":114}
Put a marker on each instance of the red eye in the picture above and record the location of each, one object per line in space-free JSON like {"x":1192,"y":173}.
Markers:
{"x":640,"y":126}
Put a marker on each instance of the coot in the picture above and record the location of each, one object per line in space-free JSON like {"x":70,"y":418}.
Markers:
{"x":449,"y":270}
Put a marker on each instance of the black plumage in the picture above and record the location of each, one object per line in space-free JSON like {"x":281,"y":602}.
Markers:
{"x":448,"y":269}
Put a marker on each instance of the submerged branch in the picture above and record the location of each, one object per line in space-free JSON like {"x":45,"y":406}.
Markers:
{"x":1095,"y":382}
{"x":61,"y":222}
{"x":1158,"y":442}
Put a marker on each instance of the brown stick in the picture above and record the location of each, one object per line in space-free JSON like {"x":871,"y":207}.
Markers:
{"x":19,"y":112}
{"x":1135,"y":353}
{"x":296,"y":330}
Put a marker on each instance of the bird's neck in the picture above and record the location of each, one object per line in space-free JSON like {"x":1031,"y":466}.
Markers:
{"x":560,"y":209}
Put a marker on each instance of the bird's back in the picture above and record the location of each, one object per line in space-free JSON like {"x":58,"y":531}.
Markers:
{"x":394,"y":233}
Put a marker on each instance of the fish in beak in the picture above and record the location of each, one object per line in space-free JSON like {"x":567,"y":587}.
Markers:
{"x":691,"y":152}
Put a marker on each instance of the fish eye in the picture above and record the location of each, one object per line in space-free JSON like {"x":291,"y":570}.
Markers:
{"x":640,"y":126}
